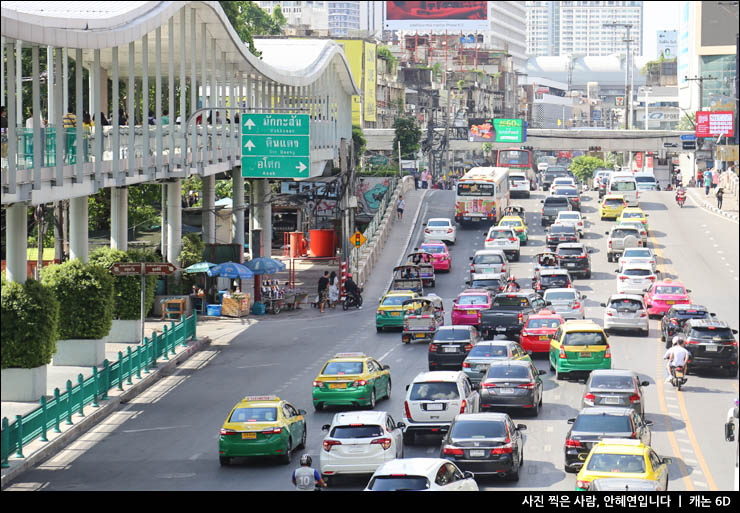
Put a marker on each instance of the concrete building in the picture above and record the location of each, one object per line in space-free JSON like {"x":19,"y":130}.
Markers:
{"x":344,"y":18}
{"x":310,"y":14}
{"x":508,"y":30}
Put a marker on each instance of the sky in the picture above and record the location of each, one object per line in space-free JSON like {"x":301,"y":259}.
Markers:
{"x":658,"y":16}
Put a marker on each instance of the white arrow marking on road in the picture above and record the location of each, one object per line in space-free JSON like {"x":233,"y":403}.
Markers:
{"x":249,"y":145}
{"x":300,"y":167}
{"x":250,"y":123}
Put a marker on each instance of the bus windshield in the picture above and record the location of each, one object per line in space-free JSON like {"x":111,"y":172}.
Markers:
{"x":475,"y":189}
{"x":513,"y":158}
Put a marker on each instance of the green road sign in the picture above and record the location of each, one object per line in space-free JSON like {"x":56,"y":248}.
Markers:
{"x":275,"y":146}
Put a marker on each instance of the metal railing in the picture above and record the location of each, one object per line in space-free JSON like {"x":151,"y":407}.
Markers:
{"x":377,"y":219}
{"x":62,"y":407}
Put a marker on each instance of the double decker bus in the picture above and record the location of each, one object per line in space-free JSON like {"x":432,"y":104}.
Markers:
{"x":482,"y":194}
{"x":516,"y":159}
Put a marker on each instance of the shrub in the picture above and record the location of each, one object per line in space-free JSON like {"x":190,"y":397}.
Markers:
{"x":85,"y":295}
{"x":29,"y":319}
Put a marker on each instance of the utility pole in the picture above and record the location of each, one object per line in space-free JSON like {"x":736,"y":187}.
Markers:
{"x":701,"y":87}
{"x":628,"y":72}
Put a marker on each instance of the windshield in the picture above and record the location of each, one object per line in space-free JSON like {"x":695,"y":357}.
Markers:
{"x":570,"y":251}
{"x":563,"y":228}
{"x":567,"y":191}
{"x":666,"y":289}
{"x":395,"y":300}
{"x":640,"y":253}
{"x":508,"y":372}
{"x":513,"y":157}
{"x":398,"y":483}
{"x":617,"y":463}
{"x":518,"y":178}
{"x":478,"y":429}
{"x":603,"y":424}
{"x":629,"y":305}
{"x":637,"y":272}
{"x":554,"y":201}
{"x":711,"y":333}
{"x":435,"y":391}
{"x":621,"y":233}
{"x":361,"y":431}
{"x":556,"y":280}
{"x":560,"y":296}
{"x":627,"y":215}
{"x":488,"y":259}
{"x":453,"y":334}
{"x":500,"y":234}
{"x":444,"y":223}
{"x":433,"y":249}
{"x":613,"y":382}
{"x":475,"y":189}
{"x":511,"y":223}
{"x":613,"y":202}
{"x":623,"y":186}
{"x":569,"y":216}
{"x":472,"y":300}
{"x":510,"y":302}
{"x":494,"y":283}
{"x":339,"y":368}
{"x":536,"y":324}
{"x":645,"y":179}
{"x":584,"y":338}
{"x":488,"y":351}
{"x":268,"y":414}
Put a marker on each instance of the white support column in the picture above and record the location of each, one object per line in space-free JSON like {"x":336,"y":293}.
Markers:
{"x":49,"y":86}
{"x":18,"y":82}
{"x":119,"y":218}
{"x":97,"y":109}
{"x":65,"y":78}
{"x":237,"y":216}
{"x":12,"y":120}
{"x":145,"y":101}
{"x":17,"y":242}
{"x":61,"y":136}
{"x":174,"y":221}
{"x":203,"y":90}
{"x":266,"y":218}
{"x":36,"y":102}
{"x":79,"y":141}
{"x":78,"y":224}
{"x":209,"y":215}
{"x":131,"y":110}
{"x":158,"y":99}
{"x":182,"y":111}
{"x":114,"y":119}
{"x":171,"y":114}
{"x":193,"y":83}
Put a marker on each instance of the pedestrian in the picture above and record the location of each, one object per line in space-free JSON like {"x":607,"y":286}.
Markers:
{"x":69,"y":120}
{"x":707,"y":181}
{"x":401,"y":206}
{"x":323,"y":290}
{"x":333,"y":289}
{"x":715,"y":179}
{"x":720,"y":194}
{"x":165,"y":117}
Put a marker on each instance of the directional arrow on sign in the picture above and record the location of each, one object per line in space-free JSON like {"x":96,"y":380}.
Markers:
{"x":249,"y":145}
{"x":300,"y":167}
{"x":249,"y":123}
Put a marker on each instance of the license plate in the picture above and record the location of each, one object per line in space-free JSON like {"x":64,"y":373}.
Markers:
{"x":354,"y":449}
{"x":471,"y":312}
{"x":670,"y":302}
{"x":611,"y":400}
{"x":500,"y":328}
{"x":570,"y":265}
{"x":544,"y":337}
{"x":585,"y":355}
{"x":476,"y":219}
{"x":711,"y":347}
{"x":419,"y":335}
{"x":450,"y":349}
{"x":337,"y":385}
{"x":249,"y":436}
{"x":504,"y":391}
{"x":435,"y":407}
{"x":477,"y":453}
{"x":481,"y":368}
{"x":395,"y":314}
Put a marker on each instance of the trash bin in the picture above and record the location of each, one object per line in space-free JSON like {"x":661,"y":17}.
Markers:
{"x":213,"y":310}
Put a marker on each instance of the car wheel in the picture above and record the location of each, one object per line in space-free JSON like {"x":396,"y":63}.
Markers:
{"x":224,"y":460}
{"x":662,"y":336}
{"x":570,"y":470}
{"x":588,"y":275}
{"x":536,"y":409}
{"x":372,"y":398}
{"x":550,"y":362}
{"x":558,"y":374}
{"x":286,"y":458}
{"x":388,"y":389}
{"x":513,"y":475}
{"x":379,"y":329}
{"x":433,"y":283}
{"x":318,"y":406}
{"x":302,"y":445}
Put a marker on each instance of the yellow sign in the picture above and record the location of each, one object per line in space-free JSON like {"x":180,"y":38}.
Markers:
{"x":370,"y":81}
{"x":357,"y":239}
{"x":353,"y":49}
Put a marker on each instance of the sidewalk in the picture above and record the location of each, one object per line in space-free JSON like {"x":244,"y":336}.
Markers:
{"x":729,"y":203}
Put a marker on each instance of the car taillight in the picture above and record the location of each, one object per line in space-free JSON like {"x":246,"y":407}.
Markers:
{"x":589,"y":399}
{"x":528,"y":386}
{"x":572,"y":443}
{"x":453,"y":451}
{"x":489,"y":385}
{"x":490,"y":240}
{"x":639,"y":243}
{"x":226,"y":432}
{"x":610,"y":244}
{"x":622,"y":278}
{"x":576,"y":305}
{"x":689,"y":341}
{"x":328,"y":444}
{"x":408,"y":411}
{"x":651,"y":278}
{"x":524,"y":333}
{"x":582,"y":484}
{"x":472,"y":269}
{"x":449,"y":230}
{"x":512,"y":239}
{"x":273,"y":431}
{"x":359,"y":383}
{"x":426,"y":230}
{"x":504,"y":449}
{"x":503,"y":268}
{"x":520,"y":317}
{"x":319,"y":384}
{"x":479,"y":316}
{"x":468,"y":347}
{"x":608,"y":353}
{"x":463,"y":405}
{"x":383,"y":442}
{"x":609,"y":313}
{"x":466,"y":365}
{"x":634,"y":398}
{"x":432,"y":348}
{"x":561,"y":354}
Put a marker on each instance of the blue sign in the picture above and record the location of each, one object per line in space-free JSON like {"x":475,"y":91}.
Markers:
{"x":596,"y":115}
{"x":688,"y":137}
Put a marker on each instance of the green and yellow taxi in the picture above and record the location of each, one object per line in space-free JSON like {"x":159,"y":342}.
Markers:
{"x":623,"y":458}
{"x":612,"y":206}
{"x":633,"y":214}
{"x":262,"y":426}
{"x":353,"y":379}
{"x":579,"y":345}
{"x":391,"y":309}
{"x":517,"y":224}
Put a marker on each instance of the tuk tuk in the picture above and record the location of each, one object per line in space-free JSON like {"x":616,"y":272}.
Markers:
{"x":425,"y":261}
{"x":422,"y":320}
{"x":408,"y":277}
{"x":546,"y":259}
{"x":515,"y":210}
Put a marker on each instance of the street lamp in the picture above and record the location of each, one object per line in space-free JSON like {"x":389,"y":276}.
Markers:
{"x":646,"y":91}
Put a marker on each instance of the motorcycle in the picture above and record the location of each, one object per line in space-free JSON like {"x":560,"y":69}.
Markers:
{"x":680,"y":199}
{"x":678,"y":377}
{"x":350,"y":300}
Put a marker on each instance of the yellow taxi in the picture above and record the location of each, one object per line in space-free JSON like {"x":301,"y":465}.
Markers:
{"x":517,"y":224}
{"x":262,"y":426}
{"x":612,"y":206}
{"x":579,"y":345}
{"x":633,"y":214}
{"x":623,"y":458}
{"x":351,"y":379}
{"x":391,"y":309}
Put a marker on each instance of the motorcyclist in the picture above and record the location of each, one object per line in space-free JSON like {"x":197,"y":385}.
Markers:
{"x":512,"y":285}
{"x":676,"y":356}
{"x":351,"y":287}
{"x":305,"y":478}
{"x":680,"y":194}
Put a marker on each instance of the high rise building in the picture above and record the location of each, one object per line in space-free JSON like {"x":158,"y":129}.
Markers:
{"x":343,"y":18}
{"x":309,"y":14}
{"x":565,"y":27}
{"x":508,"y":30}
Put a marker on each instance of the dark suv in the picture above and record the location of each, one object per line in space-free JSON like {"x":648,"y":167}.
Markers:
{"x":712,"y":345}
{"x":560,"y":234}
{"x":451,"y":346}
{"x":552,"y":206}
{"x":671,"y":324}
{"x":575,"y":258}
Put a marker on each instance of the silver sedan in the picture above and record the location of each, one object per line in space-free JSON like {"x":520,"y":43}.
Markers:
{"x":566,"y":302}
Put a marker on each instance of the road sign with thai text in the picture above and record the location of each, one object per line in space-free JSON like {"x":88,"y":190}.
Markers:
{"x":275,"y":146}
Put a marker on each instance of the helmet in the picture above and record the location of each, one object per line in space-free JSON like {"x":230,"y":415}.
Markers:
{"x":349,"y":275}
{"x":512,"y":278}
{"x":306,"y":460}
{"x":677,"y":340}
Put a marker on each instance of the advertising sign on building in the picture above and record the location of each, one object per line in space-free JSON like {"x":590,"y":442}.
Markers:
{"x":370,"y":81}
{"x":353,"y":49}
{"x":713,"y":124}
{"x":667,"y":43}
{"x":452,"y":16}
{"x":497,"y":130}
{"x":638,"y":160}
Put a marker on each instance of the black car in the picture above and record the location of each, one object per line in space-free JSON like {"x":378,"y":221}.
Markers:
{"x":572,"y":194}
{"x":574,"y":257}
{"x":509,"y":313}
{"x":551,"y":174}
{"x":671,"y":324}
{"x":512,"y":384}
{"x":450,"y":346}
{"x":712,"y":345}
{"x":614,"y":387}
{"x":551,"y":207}
{"x":594,"y":424}
{"x":485,"y":444}
{"x":561,"y":234}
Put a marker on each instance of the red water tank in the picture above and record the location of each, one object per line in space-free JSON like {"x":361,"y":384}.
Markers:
{"x":296,"y":244}
{"x":323,"y":243}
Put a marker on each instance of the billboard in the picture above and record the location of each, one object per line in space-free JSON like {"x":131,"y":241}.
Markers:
{"x":713,"y":124}
{"x":667,"y":43}
{"x":353,"y":51}
{"x":453,"y":16}
{"x":370,"y":81}
{"x":497,"y":130}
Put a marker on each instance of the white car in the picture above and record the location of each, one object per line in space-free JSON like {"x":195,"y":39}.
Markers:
{"x":573,"y":218}
{"x":501,"y":237}
{"x":359,"y":442}
{"x":421,"y":474}
{"x":519,"y":184}
{"x":567,"y":181}
{"x":440,"y":228}
{"x":433,"y":399}
{"x":542,"y":167}
{"x":638,"y":256}
{"x":635,"y":278}
{"x":569,"y":303}
{"x":626,"y":311}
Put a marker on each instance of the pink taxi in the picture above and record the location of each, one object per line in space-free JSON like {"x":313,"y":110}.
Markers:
{"x":440,"y":254}
{"x":663,"y":295}
{"x":468,"y":306}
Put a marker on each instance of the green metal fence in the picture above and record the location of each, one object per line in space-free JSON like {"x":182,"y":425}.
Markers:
{"x":60,"y":409}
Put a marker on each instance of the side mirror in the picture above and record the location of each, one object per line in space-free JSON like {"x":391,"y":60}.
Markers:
{"x":584,"y":297}
{"x":730,"y":431}
{"x":606,"y":233}
{"x":541,"y":371}
{"x":657,"y":271}
{"x":400,"y":425}
{"x":542,"y":201}
{"x":470,"y":258}
{"x":688,"y":290}
{"x":302,"y":412}
{"x":713,"y":314}
{"x":325,"y":427}
{"x":548,"y":303}
{"x":407,"y":387}
{"x":386,"y":367}
{"x":521,"y":427}
{"x":467,"y":282}
{"x":616,"y":270}
{"x":591,"y":250}
{"x":667,"y":461}
{"x":734,"y":332}
{"x":475,"y":386}
{"x":469,"y":475}
{"x":645,"y":384}
{"x":603,"y":305}
{"x":649,"y":423}
{"x":571,"y":421}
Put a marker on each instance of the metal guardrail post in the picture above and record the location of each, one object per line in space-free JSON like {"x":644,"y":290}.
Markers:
{"x":69,"y":403}
{"x":57,"y":410}
{"x":120,"y":370}
{"x":5,"y":443}
{"x":96,"y":385}
{"x":167,"y":334}
{"x":81,"y":384}
{"x":43,"y":419}
{"x":106,"y":379}
{"x":147,"y":343}
{"x":19,"y":430}
{"x":129,"y":359}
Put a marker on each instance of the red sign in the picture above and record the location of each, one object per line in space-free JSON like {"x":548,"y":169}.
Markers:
{"x":649,"y":162}
{"x":638,"y":160}
{"x":713,"y":124}
{"x":126,"y":269}
{"x":157,"y":268}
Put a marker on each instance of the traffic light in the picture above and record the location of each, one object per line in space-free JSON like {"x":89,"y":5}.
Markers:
{"x":594,"y":148}
{"x":530,"y":148}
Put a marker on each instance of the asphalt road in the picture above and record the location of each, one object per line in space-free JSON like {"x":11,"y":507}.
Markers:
{"x":167,"y":439}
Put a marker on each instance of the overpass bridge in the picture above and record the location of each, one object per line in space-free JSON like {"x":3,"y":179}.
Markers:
{"x":381,"y":139}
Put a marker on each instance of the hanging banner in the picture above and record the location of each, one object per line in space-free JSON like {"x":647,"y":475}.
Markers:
{"x":353,"y":49}
{"x":370,"y":81}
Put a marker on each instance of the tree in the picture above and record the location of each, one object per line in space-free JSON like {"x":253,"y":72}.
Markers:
{"x":583,"y":167}
{"x":249,"y":20}
{"x":687,"y":122}
{"x":409,"y":134}
{"x":358,"y":140}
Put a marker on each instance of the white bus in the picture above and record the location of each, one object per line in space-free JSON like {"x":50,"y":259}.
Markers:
{"x":481,"y":195}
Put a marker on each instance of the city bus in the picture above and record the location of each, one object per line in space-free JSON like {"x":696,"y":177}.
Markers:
{"x":481,"y":195}
{"x":516,"y":159}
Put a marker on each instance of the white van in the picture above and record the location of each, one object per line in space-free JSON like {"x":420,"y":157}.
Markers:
{"x":646,"y":181}
{"x":625,"y":185}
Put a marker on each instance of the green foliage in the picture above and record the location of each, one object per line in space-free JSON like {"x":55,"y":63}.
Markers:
{"x":85,"y":295}
{"x":583,"y":167}
{"x":409,"y":134}
{"x":248,"y":19}
{"x":383,"y":52}
{"x":192,"y":250}
{"x":358,"y":139}
{"x":29,"y":327}
{"x":143,"y":206}
{"x":687,"y":122}
{"x":127,"y":289}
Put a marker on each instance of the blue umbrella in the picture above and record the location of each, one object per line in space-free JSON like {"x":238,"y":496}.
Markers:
{"x":200,"y":267}
{"x":231,"y":270}
{"x":265,"y":265}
